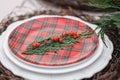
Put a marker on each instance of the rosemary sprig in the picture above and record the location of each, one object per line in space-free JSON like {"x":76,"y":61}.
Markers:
{"x":106,"y":22}
{"x":53,"y":46}
{"x":104,"y":4}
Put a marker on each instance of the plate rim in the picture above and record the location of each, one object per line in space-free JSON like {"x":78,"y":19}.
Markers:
{"x":43,"y":16}
{"x":48,"y":66}
{"x":51,"y":77}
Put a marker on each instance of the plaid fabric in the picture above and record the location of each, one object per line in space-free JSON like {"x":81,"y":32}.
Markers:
{"x":40,"y":28}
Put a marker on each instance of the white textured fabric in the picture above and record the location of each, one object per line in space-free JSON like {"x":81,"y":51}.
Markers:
{"x":6,"y":7}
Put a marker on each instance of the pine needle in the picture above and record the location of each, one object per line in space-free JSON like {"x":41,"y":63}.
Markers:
{"x":105,"y":22}
{"x":104,"y":4}
{"x":52,"y":46}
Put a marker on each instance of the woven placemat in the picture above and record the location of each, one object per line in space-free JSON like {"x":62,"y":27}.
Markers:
{"x":75,"y":4}
{"x":111,"y":72}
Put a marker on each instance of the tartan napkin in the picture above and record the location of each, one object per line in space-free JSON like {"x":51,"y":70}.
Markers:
{"x":39,"y":28}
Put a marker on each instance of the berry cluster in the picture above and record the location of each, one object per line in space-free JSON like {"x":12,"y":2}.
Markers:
{"x":58,"y":38}
{"x":36,"y":44}
{"x":54,"y":43}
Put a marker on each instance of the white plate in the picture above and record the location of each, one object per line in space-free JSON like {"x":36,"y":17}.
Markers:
{"x":48,"y":70}
{"x":86,"y":72}
{"x":34,"y":67}
{"x":30,"y":74}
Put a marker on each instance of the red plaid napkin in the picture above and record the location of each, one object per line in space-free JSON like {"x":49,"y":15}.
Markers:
{"x":40,"y":28}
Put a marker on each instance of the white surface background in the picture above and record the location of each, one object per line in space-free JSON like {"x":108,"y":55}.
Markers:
{"x":6,"y":6}
{"x":19,"y":6}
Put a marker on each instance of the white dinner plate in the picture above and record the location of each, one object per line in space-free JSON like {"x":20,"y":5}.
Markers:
{"x":43,"y":69}
{"x":32,"y":72}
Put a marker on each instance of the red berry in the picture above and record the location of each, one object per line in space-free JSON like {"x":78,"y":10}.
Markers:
{"x":75,"y":37}
{"x":67,"y":33}
{"x":63,"y":35}
{"x":45,"y":41}
{"x":37,"y":44}
{"x":52,"y":39}
{"x":71,"y":33}
{"x":74,"y":33}
{"x":33,"y":45}
{"x":60,"y":40}
{"x":91,"y":30}
{"x":56,"y":38}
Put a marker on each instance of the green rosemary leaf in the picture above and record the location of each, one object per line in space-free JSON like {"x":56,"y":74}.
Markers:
{"x":52,"y":46}
{"x":105,"y":22}
{"x":104,"y":4}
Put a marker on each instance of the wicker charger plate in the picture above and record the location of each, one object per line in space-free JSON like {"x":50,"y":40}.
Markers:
{"x":111,"y":72}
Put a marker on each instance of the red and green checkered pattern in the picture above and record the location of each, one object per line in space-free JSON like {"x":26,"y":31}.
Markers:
{"x":40,"y":28}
